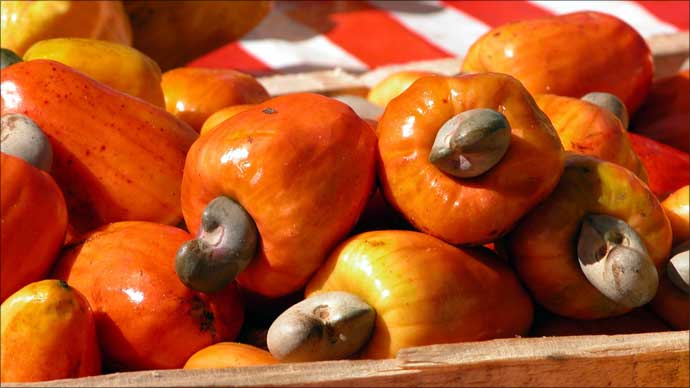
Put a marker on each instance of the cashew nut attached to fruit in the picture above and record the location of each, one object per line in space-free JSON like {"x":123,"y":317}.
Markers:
{"x":327,"y":326}
{"x":8,"y":58}
{"x":678,"y":268}
{"x":226,"y":243}
{"x":21,"y":137}
{"x":471,"y":143}
{"x":615,"y":261}
{"x":611,"y":103}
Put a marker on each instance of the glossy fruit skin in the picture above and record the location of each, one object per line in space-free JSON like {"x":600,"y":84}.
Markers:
{"x":27,"y":22}
{"x":425,"y":291}
{"x":466,"y":211}
{"x":115,"y":157}
{"x":145,"y":317}
{"x":677,"y":208}
{"x":667,"y":168}
{"x":577,"y":53}
{"x":542,"y":247}
{"x":588,"y":129}
{"x":665,"y":113}
{"x":671,"y":304}
{"x":302,"y":165}
{"x":221,"y":115}
{"x":229,"y":355}
{"x":116,"y":65}
{"x":48,"y":333}
{"x":175,"y":32}
{"x":637,"y":321}
{"x":193,"y":94}
{"x":34,"y":220}
{"x":390,"y":87}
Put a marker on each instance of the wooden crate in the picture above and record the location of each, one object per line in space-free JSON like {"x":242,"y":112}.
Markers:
{"x":651,"y":359}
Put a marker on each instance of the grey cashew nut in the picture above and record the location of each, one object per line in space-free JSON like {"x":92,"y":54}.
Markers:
{"x":327,"y":326}
{"x":678,"y":268}
{"x":471,"y":143}
{"x":611,"y":103}
{"x":21,"y":137}
{"x":226,"y":244}
{"x":615,"y":261}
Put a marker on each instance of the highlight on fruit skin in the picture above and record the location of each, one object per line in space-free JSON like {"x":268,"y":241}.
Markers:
{"x":147,"y":319}
{"x":193,"y":94}
{"x":221,"y":115}
{"x":302,"y":166}
{"x":505,"y":185}
{"x":47,"y":332}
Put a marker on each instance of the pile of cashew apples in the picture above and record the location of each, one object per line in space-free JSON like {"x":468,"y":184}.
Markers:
{"x":185,"y":218}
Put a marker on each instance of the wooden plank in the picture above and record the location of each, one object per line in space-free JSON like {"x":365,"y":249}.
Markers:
{"x":670,"y":54}
{"x":651,"y":359}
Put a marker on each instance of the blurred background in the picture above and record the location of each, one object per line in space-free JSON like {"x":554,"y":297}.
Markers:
{"x":297,"y":36}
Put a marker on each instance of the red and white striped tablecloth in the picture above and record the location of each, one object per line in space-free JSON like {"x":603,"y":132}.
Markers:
{"x":357,"y":36}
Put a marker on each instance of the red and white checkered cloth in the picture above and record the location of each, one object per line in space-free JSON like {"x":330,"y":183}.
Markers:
{"x":357,"y":36}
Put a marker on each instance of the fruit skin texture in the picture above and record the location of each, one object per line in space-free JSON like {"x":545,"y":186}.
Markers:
{"x":34,"y":220}
{"x":666,"y":167}
{"x":588,"y":129}
{"x":116,"y":65}
{"x":47,"y":333}
{"x":665,"y":113}
{"x":115,"y":157}
{"x":390,"y":87}
{"x":302,"y":166}
{"x":677,"y":208}
{"x":542,"y":246}
{"x":425,"y":291}
{"x":193,"y":94}
{"x":229,"y":355}
{"x":221,"y":115}
{"x":145,"y":317}
{"x":27,"y":22}
{"x":175,"y":32}
{"x":466,"y":211}
{"x":577,"y":53}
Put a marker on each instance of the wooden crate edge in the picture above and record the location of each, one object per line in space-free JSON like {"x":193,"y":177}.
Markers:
{"x":650,"y":359}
